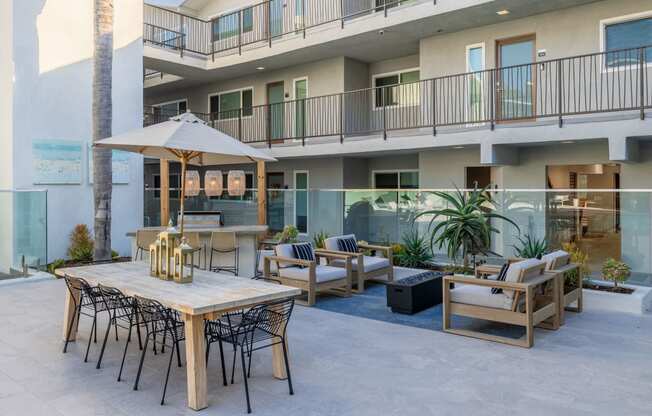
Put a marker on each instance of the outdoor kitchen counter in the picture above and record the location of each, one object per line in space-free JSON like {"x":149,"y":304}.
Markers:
{"x":247,"y":236}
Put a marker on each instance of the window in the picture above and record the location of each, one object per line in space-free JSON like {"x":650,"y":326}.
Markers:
{"x":300,"y":95}
{"x":171,"y":109}
{"x":228,"y":26}
{"x":625,"y":34}
{"x":301,"y":201}
{"x":175,"y":186}
{"x":475,"y":66}
{"x":227,"y":105}
{"x":406,"y":179}
{"x":397,"y":89}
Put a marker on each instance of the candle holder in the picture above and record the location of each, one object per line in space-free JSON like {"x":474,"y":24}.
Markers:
{"x":184,"y":257}
{"x":161,"y":253}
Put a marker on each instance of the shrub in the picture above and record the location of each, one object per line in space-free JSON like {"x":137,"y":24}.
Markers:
{"x":81,"y":244}
{"x":397,"y":250}
{"x":615,"y":271}
{"x":416,"y":251}
{"x":288,"y":235}
{"x":114,"y":254}
{"x":319,"y":239}
{"x":58,"y":263}
{"x":531,"y":247}
{"x":577,"y":256}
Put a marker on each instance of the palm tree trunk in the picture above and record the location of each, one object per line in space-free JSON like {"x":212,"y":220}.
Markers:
{"x":102,"y":120}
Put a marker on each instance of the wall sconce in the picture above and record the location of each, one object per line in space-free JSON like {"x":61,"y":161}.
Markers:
{"x":237,"y":183}
{"x":192,"y":183}
{"x":213,"y":183}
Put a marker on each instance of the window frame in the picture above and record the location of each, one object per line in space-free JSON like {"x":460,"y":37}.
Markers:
{"x":389,"y":74}
{"x":604,"y":23}
{"x":241,"y":91}
{"x":157,"y":190}
{"x":294,"y":98}
{"x":468,"y":49}
{"x":398,"y":174}
{"x":215,"y":19}
{"x":177,"y":102}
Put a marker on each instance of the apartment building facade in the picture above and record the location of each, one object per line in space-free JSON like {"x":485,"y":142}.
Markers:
{"x":372,"y":94}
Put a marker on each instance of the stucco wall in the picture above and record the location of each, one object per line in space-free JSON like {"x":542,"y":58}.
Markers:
{"x":53,"y":51}
{"x":566,"y":32}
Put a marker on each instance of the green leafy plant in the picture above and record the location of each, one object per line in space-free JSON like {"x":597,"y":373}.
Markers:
{"x":615,"y":271}
{"x":397,"y":250}
{"x":577,"y":256}
{"x":114,"y":254}
{"x":319,"y":239}
{"x":81,"y":244}
{"x":466,"y":226}
{"x":416,"y":252}
{"x":288,"y":235}
{"x":531,"y":247}
{"x":58,"y":263}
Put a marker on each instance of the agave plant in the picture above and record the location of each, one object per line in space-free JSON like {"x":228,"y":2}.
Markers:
{"x":415,"y":251}
{"x":466,"y":226}
{"x":531,"y":247}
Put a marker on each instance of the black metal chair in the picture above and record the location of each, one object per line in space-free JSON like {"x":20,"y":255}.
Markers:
{"x":122,"y":311}
{"x":224,"y":243}
{"x":89,"y":303}
{"x":161,"y":323}
{"x":262,"y":326}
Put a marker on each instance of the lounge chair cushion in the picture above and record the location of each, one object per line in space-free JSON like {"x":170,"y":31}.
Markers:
{"x":285,"y":250}
{"x":552,"y":258}
{"x":480,"y":296}
{"x":331,"y":243}
{"x":500,"y":277}
{"x":514,"y":273}
{"x":261,"y":261}
{"x":370,"y":263}
{"x":348,"y":244}
{"x":304,"y":251}
{"x":323,"y":273}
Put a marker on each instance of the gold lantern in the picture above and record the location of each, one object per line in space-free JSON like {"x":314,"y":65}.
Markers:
{"x":213,"y":183}
{"x":154,"y":250}
{"x":237,"y":183}
{"x":167,"y":244}
{"x":192,"y":183}
{"x":184,"y":257}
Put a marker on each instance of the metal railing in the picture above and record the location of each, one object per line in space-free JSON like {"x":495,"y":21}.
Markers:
{"x":601,"y":82}
{"x":255,"y":25}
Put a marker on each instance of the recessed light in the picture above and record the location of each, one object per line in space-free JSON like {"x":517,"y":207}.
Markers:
{"x":260,"y":68}
{"x":503,"y":12}
{"x":458,"y":147}
{"x":568,"y":142}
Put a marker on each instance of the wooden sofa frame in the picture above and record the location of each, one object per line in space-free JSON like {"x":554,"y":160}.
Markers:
{"x":340,"y":287}
{"x":359,"y":277}
{"x":531,"y":315}
{"x":561,"y":265}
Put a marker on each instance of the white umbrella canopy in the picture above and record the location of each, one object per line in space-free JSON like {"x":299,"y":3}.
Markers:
{"x":186,"y":139}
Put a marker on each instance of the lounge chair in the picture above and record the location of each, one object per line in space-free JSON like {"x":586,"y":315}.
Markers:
{"x":310,"y":276}
{"x":517,"y":304}
{"x":364,"y":267}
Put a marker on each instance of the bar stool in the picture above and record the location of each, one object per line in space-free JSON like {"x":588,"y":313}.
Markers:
{"x":143,"y":239}
{"x":195,"y":242}
{"x":225,"y":243}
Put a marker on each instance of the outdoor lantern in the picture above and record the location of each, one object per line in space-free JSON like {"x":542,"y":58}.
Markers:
{"x":237,"y":183}
{"x":192,"y":183}
{"x":184,"y":257}
{"x":213,"y":183}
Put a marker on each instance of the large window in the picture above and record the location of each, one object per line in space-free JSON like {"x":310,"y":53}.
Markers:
{"x":227,"y":105}
{"x":624,"y":33}
{"x":228,"y":26}
{"x":301,"y":187}
{"x":401,"y":88}
{"x":171,"y":108}
{"x":475,"y":58}
{"x":175,"y":185}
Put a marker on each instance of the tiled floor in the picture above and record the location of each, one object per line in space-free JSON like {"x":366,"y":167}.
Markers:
{"x":598,"y":364}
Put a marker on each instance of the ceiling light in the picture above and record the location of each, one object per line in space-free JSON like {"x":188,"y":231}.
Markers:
{"x":458,"y":147}
{"x":568,"y":142}
{"x":260,"y":68}
{"x":503,"y":12}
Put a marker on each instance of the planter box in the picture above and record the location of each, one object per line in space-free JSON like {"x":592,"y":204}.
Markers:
{"x":638,"y":303}
{"x":415,"y":293}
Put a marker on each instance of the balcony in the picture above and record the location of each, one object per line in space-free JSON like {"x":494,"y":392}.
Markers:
{"x":254,"y":26}
{"x":557,"y":90}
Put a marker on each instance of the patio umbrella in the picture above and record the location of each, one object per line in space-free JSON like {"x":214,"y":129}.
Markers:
{"x":186,"y":139}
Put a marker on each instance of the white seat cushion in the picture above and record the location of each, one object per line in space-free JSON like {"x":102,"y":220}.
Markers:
{"x":514,"y":273}
{"x":331,"y":243}
{"x":285,"y":250}
{"x":370,"y":263}
{"x":551,"y":258}
{"x":323,"y":273}
{"x":261,"y":261}
{"x":480,"y":296}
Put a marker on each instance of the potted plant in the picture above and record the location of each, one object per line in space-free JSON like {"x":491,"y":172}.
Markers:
{"x":415,"y":251}
{"x":319,"y":239}
{"x":465,"y":229}
{"x":289,"y":235}
{"x":615,"y":271}
{"x":531,"y":247}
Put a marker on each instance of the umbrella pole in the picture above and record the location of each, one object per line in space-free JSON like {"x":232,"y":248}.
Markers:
{"x":183,"y":188}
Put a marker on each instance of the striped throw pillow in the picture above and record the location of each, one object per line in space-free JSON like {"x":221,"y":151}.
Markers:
{"x":501,"y":278}
{"x":304,"y":251}
{"x":347,"y":244}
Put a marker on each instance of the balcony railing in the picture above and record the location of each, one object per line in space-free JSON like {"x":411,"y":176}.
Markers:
{"x":613,"y":81}
{"x":256,"y":25}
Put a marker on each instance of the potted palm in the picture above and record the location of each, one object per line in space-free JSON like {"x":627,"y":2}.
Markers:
{"x":465,"y":228}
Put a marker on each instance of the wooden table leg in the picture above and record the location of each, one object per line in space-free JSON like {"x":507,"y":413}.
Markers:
{"x":69,"y":314}
{"x":278,"y":361}
{"x":196,"y":361}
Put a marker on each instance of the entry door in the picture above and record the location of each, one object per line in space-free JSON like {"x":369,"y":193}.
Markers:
{"x":276,"y":8}
{"x":276,"y":111}
{"x":276,"y":201}
{"x":300,"y":95}
{"x":516,"y":79}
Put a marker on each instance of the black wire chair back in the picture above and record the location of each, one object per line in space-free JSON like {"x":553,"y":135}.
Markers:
{"x":158,"y":318}
{"x":88,"y":295}
{"x":113,"y":299}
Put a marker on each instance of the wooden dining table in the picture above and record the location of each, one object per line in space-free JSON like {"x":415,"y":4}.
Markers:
{"x":208,"y":297}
